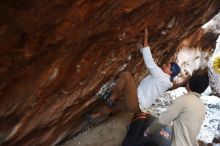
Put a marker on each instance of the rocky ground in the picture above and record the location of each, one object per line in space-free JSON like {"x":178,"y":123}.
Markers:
{"x":111,"y":132}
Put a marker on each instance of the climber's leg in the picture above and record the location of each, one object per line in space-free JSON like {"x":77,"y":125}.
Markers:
{"x":126,"y":86}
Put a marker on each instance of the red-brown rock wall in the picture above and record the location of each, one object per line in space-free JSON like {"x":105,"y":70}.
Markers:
{"x":55,"y":55}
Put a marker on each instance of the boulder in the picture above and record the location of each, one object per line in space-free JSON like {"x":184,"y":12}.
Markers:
{"x":56,"y":55}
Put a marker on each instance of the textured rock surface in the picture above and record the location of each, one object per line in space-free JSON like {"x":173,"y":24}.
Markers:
{"x":213,"y":75}
{"x":194,"y":53}
{"x":56,"y":55}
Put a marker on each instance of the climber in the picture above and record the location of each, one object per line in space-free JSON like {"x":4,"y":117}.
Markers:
{"x":151,"y":87}
{"x":187,"y":113}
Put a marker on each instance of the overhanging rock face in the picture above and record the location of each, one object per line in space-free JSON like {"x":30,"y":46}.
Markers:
{"x":56,"y":55}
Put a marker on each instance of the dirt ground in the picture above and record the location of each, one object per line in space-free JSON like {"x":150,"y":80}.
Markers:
{"x":110,"y":132}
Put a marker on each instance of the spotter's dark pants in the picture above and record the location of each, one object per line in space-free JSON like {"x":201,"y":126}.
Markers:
{"x":135,"y":134}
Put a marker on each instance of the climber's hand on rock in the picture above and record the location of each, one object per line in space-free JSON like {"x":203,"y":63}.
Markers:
{"x":146,"y":43}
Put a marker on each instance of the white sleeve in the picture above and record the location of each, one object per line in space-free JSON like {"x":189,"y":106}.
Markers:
{"x":154,"y":70}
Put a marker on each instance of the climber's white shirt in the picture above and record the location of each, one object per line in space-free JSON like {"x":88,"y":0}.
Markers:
{"x":154,"y":84}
